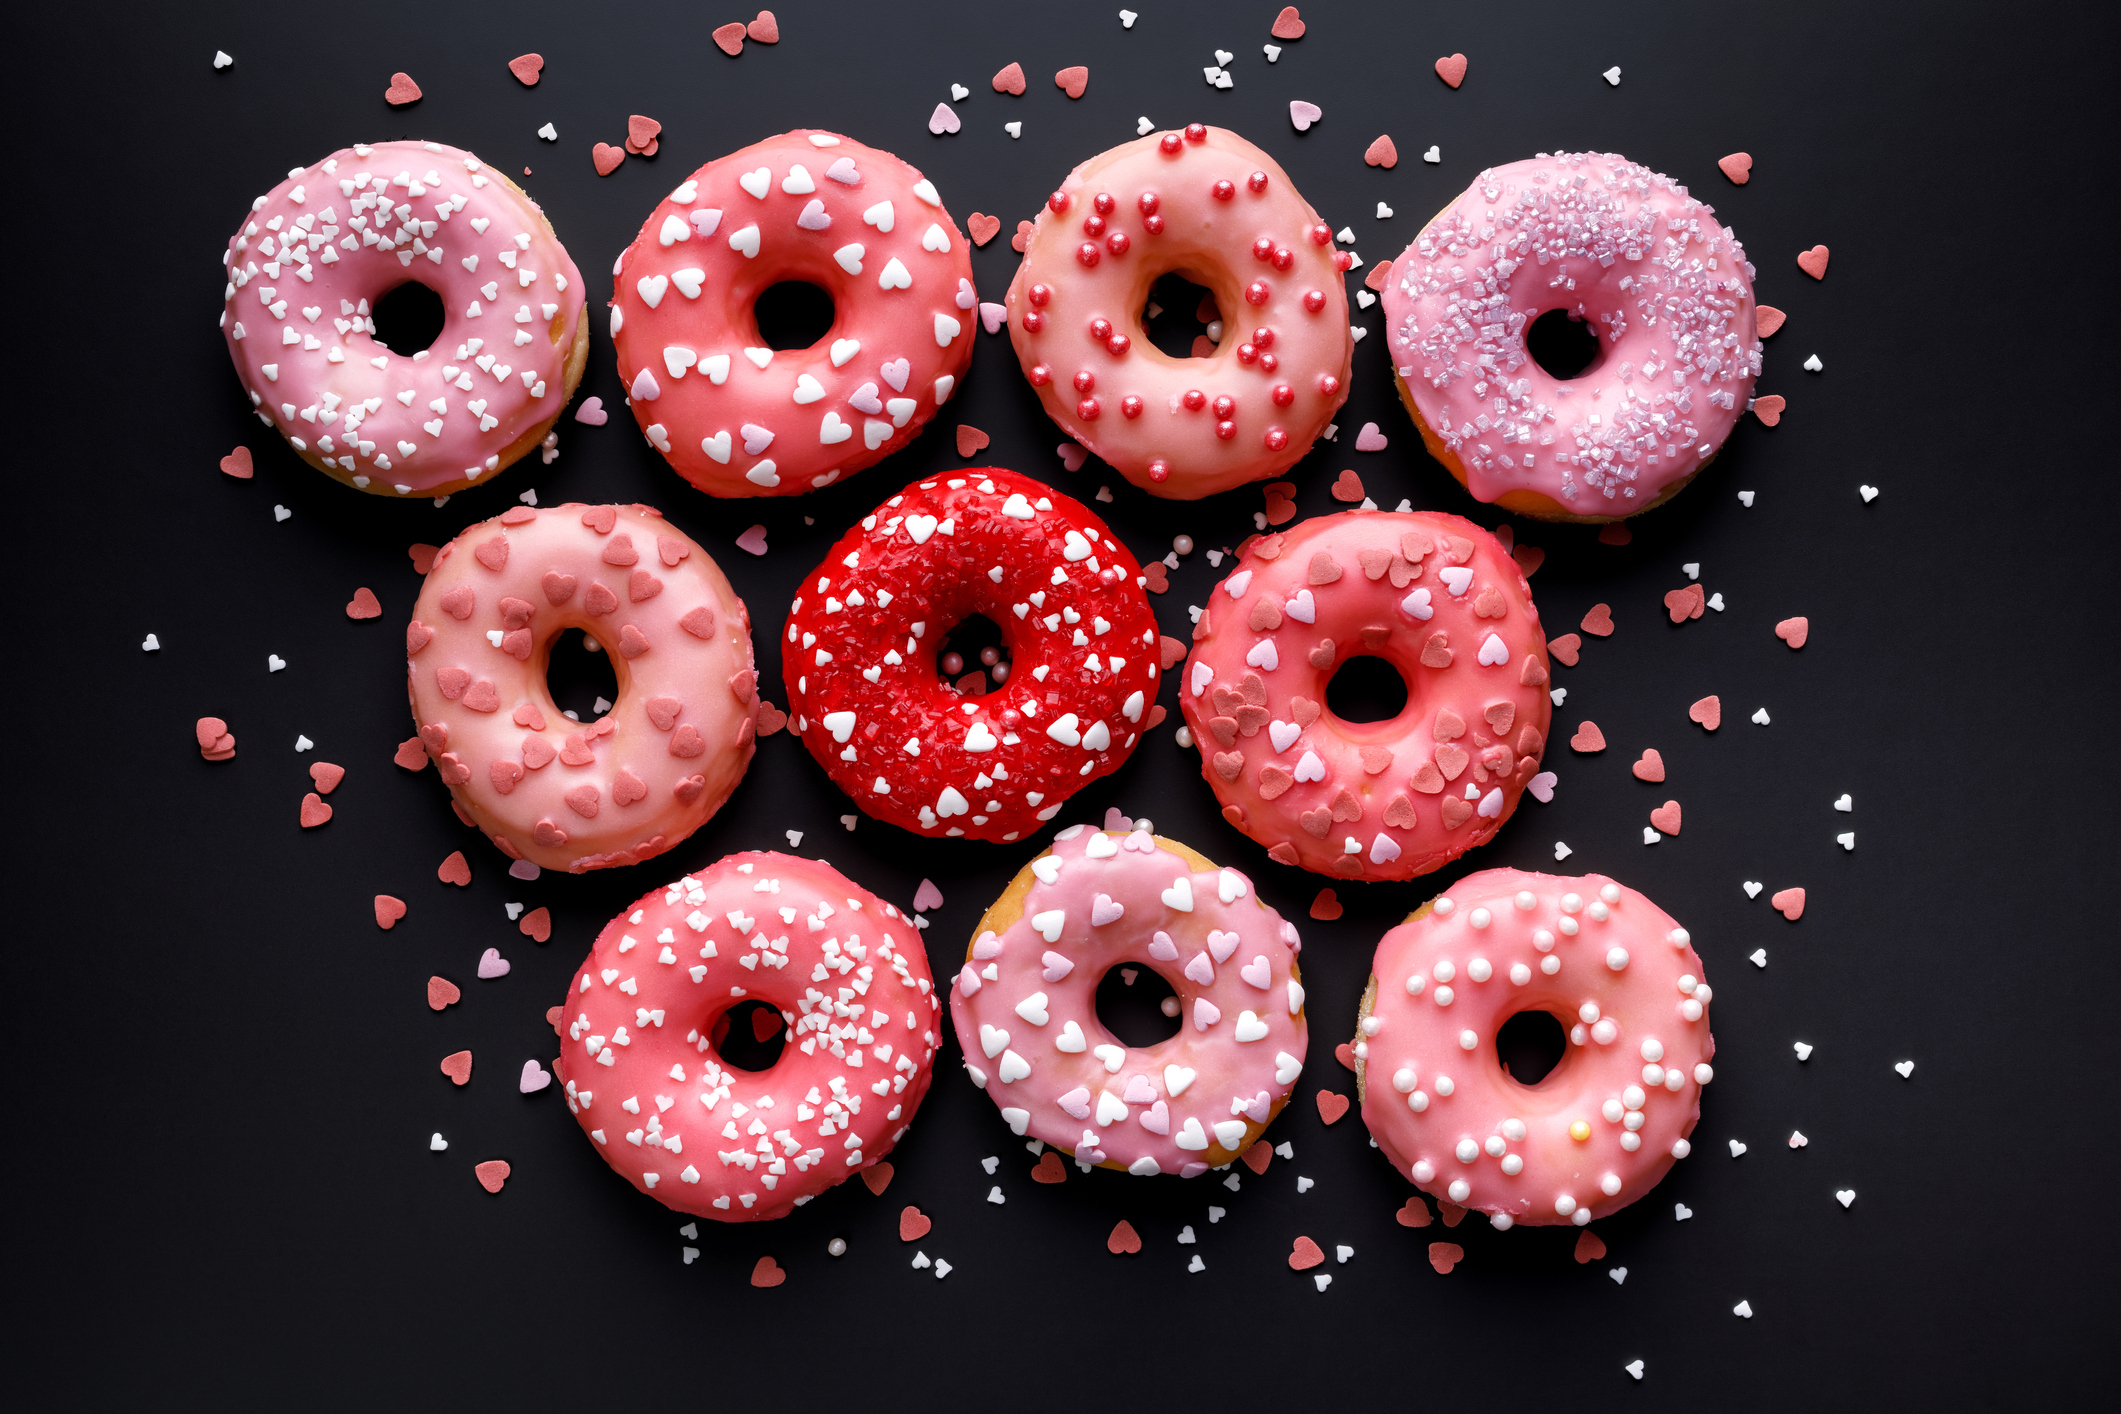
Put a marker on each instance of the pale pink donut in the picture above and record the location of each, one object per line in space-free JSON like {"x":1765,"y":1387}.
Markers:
{"x":847,"y":972}
{"x":317,"y":252}
{"x":1209,"y":204}
{"x":1025,"y":1004}
{"x":1433,"y":595}
{"x":676,"y":741}
{"x":737,"y":419}
{"x":1609,"y":965}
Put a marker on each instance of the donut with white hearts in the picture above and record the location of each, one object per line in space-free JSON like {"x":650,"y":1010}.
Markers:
{"x":1434,"y":596}
{"x":736,"y":418}
{"x":860,"y":651}
{"x":1599,"y":1130}
{"x":638,"y":1036}
{"x":304,"y":274}
{"x":1025,"y":1004}
{"x":1207,"y":203}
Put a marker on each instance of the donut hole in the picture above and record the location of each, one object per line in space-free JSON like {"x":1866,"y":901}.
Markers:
{"x":408,"y":318}
{"x":1564,"y":344}
{"x":1366,"y":689}
{"x":792,"y":315}
{"x":974,"y":648}
{"x":579,"y":679}
{"x":749,"y":1036}
{"x":1529,"y":1045}
{"x":1134,"y":1011}
{"x":1184,"y":310}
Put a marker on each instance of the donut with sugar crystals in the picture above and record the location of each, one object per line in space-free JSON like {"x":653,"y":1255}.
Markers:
{"x":860,"y":649}
{"x":1664,"y":288}
{"x":638,"y":1055}
{"x":678,"y":737}
{"x":1206,"y":203}
{"x":1434,"y":596}
{"x":1600,"y":1129}
{"x":736,"y":418}
{"x":1025,"y":1004}
{"x":306,"y":270}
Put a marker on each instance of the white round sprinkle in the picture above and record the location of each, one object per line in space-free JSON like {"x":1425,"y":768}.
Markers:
{"x":1542,"y":940}
{"x":1424,"y":1172}
{"x":1568,"y":927}
{"x":1480,"y":918}
{"x":1445,"y":971}
{"x":1495,"y":1146}
{"x":1525,"y":901}
{"x":1513,"y":1164}
{"x":1467,"y":1040}
{"x":1604,"y":1032}
{"x":1501,"y":1222}
{"x":1633,"y":1097}
{"x":1182,"y":543}
{"x":1580,"y":1216}
{"x":1371,"y":1025}
{"x":1442,"y":907}
{"x":1571,"y":903}
{"x":1460,"y":1190}
{"x":1415,"y":982}
{"x":1617,"y":959}
{"x":1634,"y":1119}
{"x":1467,"y":1151}
{"x":1599,"y":912}
{"x":1479,"y":970}
{"x":1588,"y":1011}
{"x":1418,"y":1101}
{"x":1631,"y":1141}
{"x":1653,"y":1049}
{"x":1444,"y":1087}
{"x":1678,"y":937}
{"x":1653,"y":1075}
{"x":1444,"y":995}
{"x":1680,"y":1148}
{"x":1701,"y":994}
{"x":1612,"y":1111}
{"x":1610,"y":893}
{"x":1550,"y":964}
{"x":1704,"y":1073}
{"x":1184,"y":737}
{"x":1404,"y":1079}
{"x":1674,"y":1078}
{"x":1610,"y":1184}
{"x":837,"y":1247}
{"x":1520,"y":974}
{"x":1687,"y":983}
{"x":1564,"y":1205}
{"x":1513,"y":1130}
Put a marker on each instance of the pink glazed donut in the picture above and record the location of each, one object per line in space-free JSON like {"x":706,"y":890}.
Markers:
{"x":1604,"y":1125}
{"x":1434,"y":596}
{"x":1025,"y":1004}
{"x":399,"y":422}
{"x":1211,"y":205}
{"x":1666,"y":288}
{"x":738,"y":419}
{"x":635,"y":781}
{"x":847,"y":972}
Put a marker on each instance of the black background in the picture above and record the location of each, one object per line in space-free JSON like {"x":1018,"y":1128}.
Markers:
{"x":226,"y":1075}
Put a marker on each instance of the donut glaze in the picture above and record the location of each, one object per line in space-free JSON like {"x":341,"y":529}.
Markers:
{"x":1025,"y":1004}
{"x":1664,"y":285}
{"x":859,"y":656}
{"x":676,"y":741}
{"x":1600,"y":1129}
{"x":850,"y":979}
{"x":1212,"y":206}
{"x":306,"y":269}
{"x":1433,"y":595}
{"x":738,"y":419}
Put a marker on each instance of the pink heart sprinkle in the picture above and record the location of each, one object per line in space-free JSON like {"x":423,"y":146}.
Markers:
{"x":943,"y":120}
{"x":1542,"y":787}
{"x":1072,"y":455}
{"x":1157,"y":1118}
{"x":1162,"y":948}
{"x":592,"y":412}
{"x":1221,"y":944}
{"x":535,"y":1078}
{"x":1257,"y":973}
{"x":1303,"y":114}
{"x":1139,"y":1091}
{"x":927,"y":896}
{"x":492,"y":965}
{"x":753,"y":540}
{"x":1370,"y":439}
{"x":1103,"y":910}
{"x":992,"y":315}
{"x":1056,"y":966}
{"x":1205,"y":1013}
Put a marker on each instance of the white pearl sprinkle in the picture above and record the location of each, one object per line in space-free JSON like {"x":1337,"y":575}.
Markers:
{"x":1679,"y":937}
{"x":1480,"y":918}
{"x":1610,"y":893}
{"x":1479,"y":970}
{"x":1525,"y":900}
{"x":1445,"y":970}
{"x":1403,"y":1079}
{"x":1468,"y":1151}
{"x":1467,"y":1040}
{"x":1550,"y":964}
{"x":1444,"y":1087}
{"x":1588,"y":1012}
{"x":1520,"y":974}
{"x":1571,"y":903}
{"x":1460,"y":1190}
{"x":1617,"y":959}
{"x":1632,"y":1097}
{"x":1495,"y":1146}
{"x":1653,"y":1049}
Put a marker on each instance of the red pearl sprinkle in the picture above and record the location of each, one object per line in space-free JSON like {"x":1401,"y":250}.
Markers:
{"x":1100,"y":329}
{"x":1262,"y":249}
{"x":1343,"y":260}
{"x":1194,"y":400}
{"x":1246,"y":353}
{"x":1257,"y":292}
{"x":1226,"y":430}
{"x":1058,"y":202}
{"x":1040,"y":294}
{"x":1328,"y":384}
{"x":1257,"y":181}
{"x":1118,"y":345}
{"x":1226,"y":407}
{"x":1314,"y":300}
{"x":1196,"y":132}
{"x":1169,"y":143}
{"x":1224,"y":191}
{"x":1268,"y":363}
{"x":1159,"y":469}
{"x":1154,"y":225}
{"x":1283,"y":257}
{"x":1117,"y":243}
{"x":1321,"y":234}
{"x":1276,"y":439}
{"x":1283,"y":395}
{"x":1033,"y":321}
{"x":1263,"y":336}
{"x":1131,"y":405}
{"x":1088,"y":409}
{"x":1040,"y":375}
{"x":1104,"y":203}
{"x":1085,"y":380}
{"x":1093,"y":225}
{"x":1087,"y":252}
{"x":1148,"y":201}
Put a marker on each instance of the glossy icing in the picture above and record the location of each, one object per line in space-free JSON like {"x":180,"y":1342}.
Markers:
{"x":632,"y":783}
{"x":1211,"y":205}
{"x":738,"y":419}
{"x":642,"y":1077}
{"x":1025,"y":1004}
{"x":306,"y":268}
{"x":1433,"y":595}
{"x":1667,"y":288}
{"x":1613,"y":968}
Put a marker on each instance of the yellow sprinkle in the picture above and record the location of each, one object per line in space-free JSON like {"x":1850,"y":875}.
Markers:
{"x":1579,"y":1131}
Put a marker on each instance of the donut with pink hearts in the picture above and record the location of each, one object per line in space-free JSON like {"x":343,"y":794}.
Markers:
{"x":582,"y":795}
{"x":1209,"y":204}
{"x":736,"y":418}
{"x":1434,"y":596}
{"x":638,"y":1060}
{"x":1025,"y":1004}
{"x":304,"y":274}
{"x":1600,"y":1129}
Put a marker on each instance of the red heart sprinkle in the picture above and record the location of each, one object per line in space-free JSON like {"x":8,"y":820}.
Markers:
{"x":1325,"y":908}
{"x":1789,"y":903}
{"x":1564,"y":649}
{"x":1445,"y":1255}
{"x":326,"y":776}
{"x":913,"y":1224}
{"x":1010,"y":79}
{"x":457,"y":1067}
{"x":1599,"y":621}
{"x":969,"y":439}
{"x":1666,"y":817}
{"x":1023,"y":233}
{"x":1813,"y":262}
{"x":1347,"y":487}
{"x":1049,"y":1168}
{"x":492,"y":1174}
{"x":210,"y":730}
{"x":730,"y":38}
{"x":1589,"y":1246}
{"x":1650,"y":767}
{"x":1173,"y":650}
{"x":1769,"y":409}
{"x":441,"y":992}
{"x":1738,"y":167}
{"x":237,"y":464}
{"x":314,"y":811}
{"x":983,"y":227}
{"x":765,"y":29}
{"x":1155,"y":578}
{"x":607,"y":158}
{"x":455,"y":870}
{"x":1288,"y":24}
{"x":1124,"y":1239}
{"x":877,"y":1177}
{"x":1413,"y":1213}
{"x":770,"y":718}
{"x":641,"y":131}
{"x":553,"y":1016}
{"x":1305,"y":1255}
{"x":388,"y":911}
{"x":765,"y":1025}
{"x":402,"y":90}
{"x":1684,"y":604}
{"x":1345,"y":1054}
{"x":768,"y":1272}
{"x":1258,"y":1156}
{"x":411,"y":754}
{"x":1708,"y":711}
{"x":1331,"y":1105}
{"x":527,"y":67}
{"x":1072,"y":81}
{"x":1794,"y":631}
{"x":1588,"y":738}
{"x":536,"y":925}
{"x":1452,"y":70}
{"x":1382,"y":153}
{"x":423,"y":557}
{"x":364,"y":605}
{"x":1767,"y":319}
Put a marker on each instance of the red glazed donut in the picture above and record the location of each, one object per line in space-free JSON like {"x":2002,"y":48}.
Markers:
{"x":1210,"y":205}
{"x":1434,"y":596}
{"x":1600,"y":1129}
{"x":677,"y":739}
{"x":860,"y":656}
{"x":737,"y":419}
{"x":847,"y":972}
{"x":317,"y":253}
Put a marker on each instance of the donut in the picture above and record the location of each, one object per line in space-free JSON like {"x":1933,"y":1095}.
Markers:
{"x":1213,"y":207}
{"x":303,"y":280}
{"x":542,"y":787}
{"x":1025,"y":1004}
{"x":737,"y":419}
{"x":860,"y":652}
{"x":1600,"y":1129}
{"x":1665,"y":288}
{"x":1434,"y":596}
{"x":638,"y":1030}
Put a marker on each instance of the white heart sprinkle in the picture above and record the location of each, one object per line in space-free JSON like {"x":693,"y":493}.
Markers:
{"x":1752,"y":888}
{"x":1434,"y":154}
{"x":1869,"y":493}
{"x":1681,"y":1212}
{"x":1906,"y":1068}
{"x":1013,"y":129}
{"x":280,"y":513}
{"x":1272,"y":51}
{"x":1633,"y":1367}
{"x":1804,"y":1050}
{"x":959,"y":93}
{"x":150,"y":644}
{"x":1620,"y":1276}
{"x":1743,"y":1308}
{"x":1612,"y":76}
{"x":437,"y":1143}
{"x":1561,"y":851}
{"x":1813,"y":365}
{"x":274,"y":662}
{"x":1758,"y":957}
{"x":1845,"y":1195}
{"x":1737,"y":1148}
{"x":1745,"y":498}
